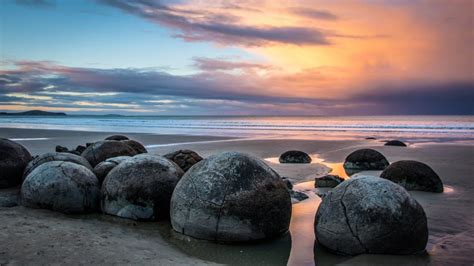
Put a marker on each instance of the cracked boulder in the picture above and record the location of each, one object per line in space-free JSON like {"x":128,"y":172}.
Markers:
{"x":61,"y":186}
{"x":328,"y":181}
{"x":140,"y":188}
{"x":369,"y":214}
{"x":55,"y":156}
{"x":231,"y":197}
{"x":295,"y":157}
{"x":13,"y":160}
{"x":364,"y":160}
{"x":103,"y":150}
{"x":184,"y":158}
{"x":413,"y":175}
{"x":102,"y":169}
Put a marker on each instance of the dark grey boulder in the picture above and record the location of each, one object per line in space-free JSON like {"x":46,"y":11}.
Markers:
{"x":328,"y":181}
{"x":60,"y":148}
{"x":395,"y":143}
{"x":413,"y":175}
{"x":117,"y":137}
{"x":80,"y":148}
{"x":13,"y":160}
{"x":370,"y":138}
{"x":55,"y":156}
{"x":61,"y":186}
{"x":297,"y":196}
{"x":184,"y":158}
{"x":231,"y":197}
{"x":369,"y":214}
{"x":102,"y":169}
{"x":295,"y":157}
{"x":140,"y":188}
{"x":103,"y":150}
{"x":137,"y":146}
{"x":364,"y":160}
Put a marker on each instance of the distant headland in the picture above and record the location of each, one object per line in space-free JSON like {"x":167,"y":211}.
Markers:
{"x":35,"y":112}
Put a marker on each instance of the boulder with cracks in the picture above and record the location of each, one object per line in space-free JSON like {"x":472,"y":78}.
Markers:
{"x":368,"y":214}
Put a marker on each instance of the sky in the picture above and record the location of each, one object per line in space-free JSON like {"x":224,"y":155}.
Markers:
{"x":275,"y":57}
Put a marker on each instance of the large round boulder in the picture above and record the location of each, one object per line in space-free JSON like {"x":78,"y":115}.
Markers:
{"x":61,"y":186}
{"x":295,"y":157}
{"x":364,"y":160}
{"x":184,"y":158}
{"x":395,"y":143}
{"x":140,"y":188}
{"x":13,"y":160}
{"x":117,"y":137}
{"x":413,"y":175}
{"x":137,"y":146}
{"x":103,"y":150}
{"x":231,"y":197}
{"x":102,"y":169}
{"x":369,"y":214}
{"x":55,"y":156}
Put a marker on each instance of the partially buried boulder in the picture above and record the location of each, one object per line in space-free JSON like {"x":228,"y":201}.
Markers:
{"x":413,"y":175}
{"x":395,"y":143}
{"x":102,"y":150}
{"x":184,"y":158}
{"x":117,"y":137}
{"x":295,"y":157}
{"x":61,"y":186}
{"x":328,"y":181}
{"x":369,"y":214}
{"x":364,"y":160}
{"x":55,"y":156}
{"x":102,"y":169}
{"x":13,"y":160}
{"x":137,"y":146}
{"x":231,"y":197}
{"x":140,"y":188}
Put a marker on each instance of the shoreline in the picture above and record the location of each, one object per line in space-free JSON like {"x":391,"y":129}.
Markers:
{"x":30,"y":233}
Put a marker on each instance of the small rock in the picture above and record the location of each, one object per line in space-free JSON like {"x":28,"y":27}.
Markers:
{"x":80,"y":148}
{"x":328,"y":181}
{"x":184,"y":158}
{"x":370,"y":138}
{"x":287,"y":182}
{"x":60,"y":148}
{"x":298,"y":196}
{"x":395,"y":143}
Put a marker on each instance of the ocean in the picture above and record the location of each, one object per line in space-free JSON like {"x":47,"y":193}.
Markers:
{"x":421,"y":128}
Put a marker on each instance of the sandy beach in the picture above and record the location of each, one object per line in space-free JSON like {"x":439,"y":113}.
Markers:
{"x":39,"y":237}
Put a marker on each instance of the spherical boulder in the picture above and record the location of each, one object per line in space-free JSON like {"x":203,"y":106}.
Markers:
{"x":117,"y":137}
{"x":55,"y":156}
{"x":413,"y":175}
{"x":102,"y":150}
{"x":137,"y":146}
{"x":61,"y":186}
{"x":184,"y":158}
{"x":363,"y":160}
{"x":13,"y":160}
{"x":369,"y":214}
{"x":395,"y":143}
{"x":140,"y":188}
{"x":102,"y":169}
{"x":295,"y":157}
{"x":231,"y":197}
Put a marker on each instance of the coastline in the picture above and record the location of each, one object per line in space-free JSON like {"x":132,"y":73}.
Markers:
{"x":47,"y":237}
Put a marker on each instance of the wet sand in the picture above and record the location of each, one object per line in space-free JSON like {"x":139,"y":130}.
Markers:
{"x":44,"y":237}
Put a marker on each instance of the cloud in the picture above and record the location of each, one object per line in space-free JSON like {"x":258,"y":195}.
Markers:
{"x":220,"y":27}
{"x":313,"y":13}
{"x":211,"y":64}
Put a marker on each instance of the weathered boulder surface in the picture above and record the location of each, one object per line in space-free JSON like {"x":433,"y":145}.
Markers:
{"x":140,"y":188}
{"x":369,"y":214}
{"x":137,"y":146}
{"x":295,"y":157}
{"x":55,"y":156}
{"x":184,"y":158}
{"x":13,"y":160}
{"x":102,"y":169}
{"x":413,"y":175}
{"x":395,"y":143}
{"x":103,"y":150}
{"x":61,"y":186}
{"x":363,"y":160}
{"x":328,"y":181}
{"x":231,"y":197}
{"x":117,"y":137}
